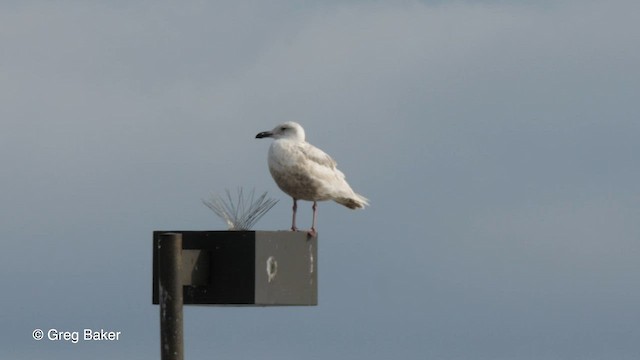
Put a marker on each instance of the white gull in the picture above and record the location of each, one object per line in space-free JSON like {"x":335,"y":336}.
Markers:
{"x":305,"y":172}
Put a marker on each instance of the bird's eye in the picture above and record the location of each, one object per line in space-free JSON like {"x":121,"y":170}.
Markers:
{"x":283,"y":128}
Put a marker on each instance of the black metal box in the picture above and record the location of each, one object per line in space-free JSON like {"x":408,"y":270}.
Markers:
{"x":259,"y":268}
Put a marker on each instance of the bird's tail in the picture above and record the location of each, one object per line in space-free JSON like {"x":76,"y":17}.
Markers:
{"x":356,"y":201}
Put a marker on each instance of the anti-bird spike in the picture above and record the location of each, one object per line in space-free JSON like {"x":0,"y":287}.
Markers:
{"x":242,"y":213}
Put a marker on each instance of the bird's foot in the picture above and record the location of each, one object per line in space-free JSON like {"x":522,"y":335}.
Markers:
{"x":312,"y":232}
{"x":293,"y":228}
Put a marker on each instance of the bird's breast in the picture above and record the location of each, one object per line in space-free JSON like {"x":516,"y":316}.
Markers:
{"x":283,"y":154}
{"x":291,"y":174}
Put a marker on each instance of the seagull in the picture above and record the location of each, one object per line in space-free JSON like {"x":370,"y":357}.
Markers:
{"x":305,"y":172}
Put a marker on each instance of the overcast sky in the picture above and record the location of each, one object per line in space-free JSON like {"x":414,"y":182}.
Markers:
{"x":498,"y":142}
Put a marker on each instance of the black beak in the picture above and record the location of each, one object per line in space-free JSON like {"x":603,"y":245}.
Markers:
{"x":264,"y":134}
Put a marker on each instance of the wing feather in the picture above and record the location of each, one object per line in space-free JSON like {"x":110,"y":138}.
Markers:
{"x":317,"y":156}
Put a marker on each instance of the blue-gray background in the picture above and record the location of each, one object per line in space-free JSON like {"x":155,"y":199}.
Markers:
{"x":498,"y":142}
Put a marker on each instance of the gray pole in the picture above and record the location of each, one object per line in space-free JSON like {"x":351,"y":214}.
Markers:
{"x":169,"y":268}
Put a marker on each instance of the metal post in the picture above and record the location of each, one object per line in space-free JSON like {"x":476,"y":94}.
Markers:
{"x":170,"y":296}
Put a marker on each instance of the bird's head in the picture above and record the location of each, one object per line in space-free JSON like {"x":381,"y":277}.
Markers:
{"x":289,"y":130}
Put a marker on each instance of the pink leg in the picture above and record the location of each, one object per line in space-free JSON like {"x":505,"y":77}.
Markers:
{"x":313,"y":232}
{"x":293,"y":221}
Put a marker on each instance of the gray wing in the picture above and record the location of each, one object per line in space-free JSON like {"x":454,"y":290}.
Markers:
{"x":330,"y":181}
{"x":317,"y":156}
